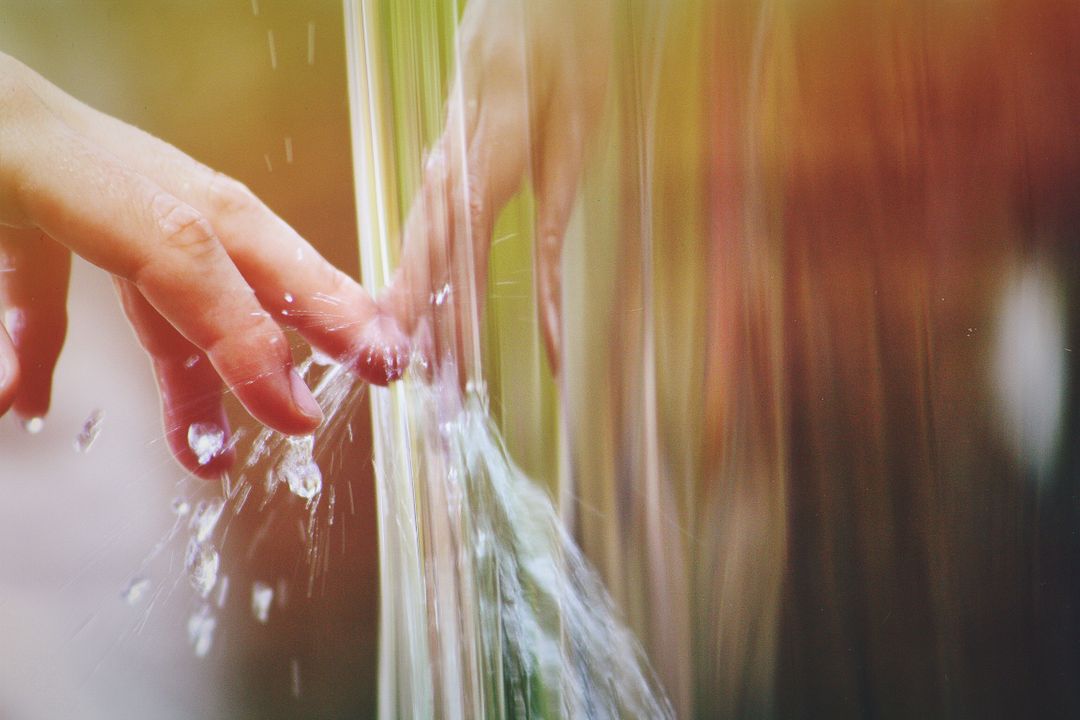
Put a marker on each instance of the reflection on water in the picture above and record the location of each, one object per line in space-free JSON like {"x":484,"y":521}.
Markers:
{"x":815,"y":423}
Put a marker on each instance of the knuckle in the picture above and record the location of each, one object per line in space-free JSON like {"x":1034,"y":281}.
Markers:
{"x":183,"y":238}
{"x":230,"y":196}
{"x":184,"y":230}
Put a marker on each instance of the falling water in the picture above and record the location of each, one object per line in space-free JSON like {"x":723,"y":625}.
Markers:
{"x":815,"y":416}
{"x":489,"y":609}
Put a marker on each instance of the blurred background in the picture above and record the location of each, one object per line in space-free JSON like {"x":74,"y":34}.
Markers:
{"x":257,"y":90}
{"x":817,"y":424}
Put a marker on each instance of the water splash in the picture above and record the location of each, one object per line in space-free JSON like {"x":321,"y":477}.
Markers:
{"x":262,"y":597}
{"x":273,"y":49}
{"x":294,"y":675}
{"x":201,"y":627}
{"x":205,"y":518}
{"x":205,"y":440}
{"x":488,"y":609}
{"x":252,"y":488}
{"x":536,"y":634}
{"x":136,"y":590}
{"x":90,"y":431}
{"x":298,"y":469}
{"x":202,"y":563}
{"x":223,"y":591}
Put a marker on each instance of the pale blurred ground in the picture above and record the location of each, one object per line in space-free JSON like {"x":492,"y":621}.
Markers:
{"x":75,"y":528}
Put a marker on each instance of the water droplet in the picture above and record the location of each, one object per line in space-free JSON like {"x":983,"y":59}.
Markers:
{"x":273,"y":49}
{"x":206,"y":518}
{"x":294,"y":671}
{"x":305,"y":480}
{"x":282,"y":592}
{"x":285,"y":313}
{"x":90,"y":431}
{"x":201,"y":627}
{"x":262,"y":595}
{"x":191,"y":362}
{"x":202,"y":564}
{"x":443,"y":293}
{"x":241,"y":498}
{"x":223,"y":591}
{"x":299,"y":470}
{"x":289,"y":297}
{"x":33,"y":425}
{"x":322,"y":359}
{"x":135,"y":591}
{"x":205,"y":440}
{"x":259,"y":447}
{"x":181,"y":506}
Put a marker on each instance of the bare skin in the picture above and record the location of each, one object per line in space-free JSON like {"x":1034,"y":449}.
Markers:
{"x":204,"y":270}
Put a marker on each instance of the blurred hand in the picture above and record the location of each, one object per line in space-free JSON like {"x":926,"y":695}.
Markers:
{"x":204,"y":270}
{"x":530,"y":84}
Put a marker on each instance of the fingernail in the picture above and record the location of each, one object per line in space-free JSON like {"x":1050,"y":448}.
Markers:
{"x":303,"y":399}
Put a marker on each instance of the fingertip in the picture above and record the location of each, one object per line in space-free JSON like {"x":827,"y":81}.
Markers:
{"x":201,"y":445}
{"x":383,"y":354}
{"x":217,"y":466}
{"x":280,"y":400}
{"x":257,"y":368}
{"x":196,"y":425}
{"x":210,"y":464}
{"x":34,"y":396}
{"x":36,"y":343}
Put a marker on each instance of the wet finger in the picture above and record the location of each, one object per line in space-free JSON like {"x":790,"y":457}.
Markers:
{"x":33,"y":292}
{"x":193,"y":414}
